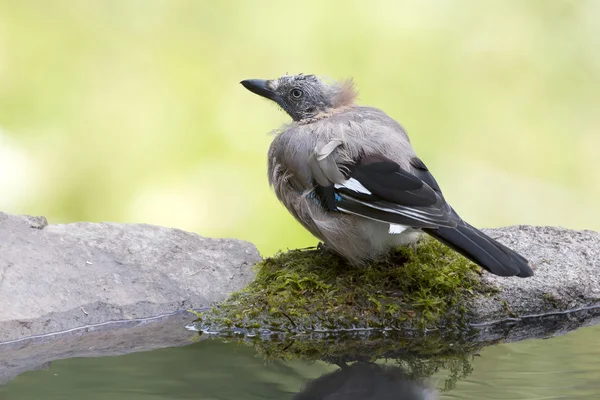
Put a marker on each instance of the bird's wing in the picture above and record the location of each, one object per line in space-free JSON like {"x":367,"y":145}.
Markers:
{"x":378,"y":188}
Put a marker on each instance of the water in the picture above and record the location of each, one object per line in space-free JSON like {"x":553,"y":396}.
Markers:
{"x":563,"y":367}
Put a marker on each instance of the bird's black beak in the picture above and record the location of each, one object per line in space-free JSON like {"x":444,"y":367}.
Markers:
{"x":259,"y":86}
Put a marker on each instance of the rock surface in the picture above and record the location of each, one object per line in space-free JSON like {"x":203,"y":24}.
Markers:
{"x":60,"y":277}
{"x":566,"y":264}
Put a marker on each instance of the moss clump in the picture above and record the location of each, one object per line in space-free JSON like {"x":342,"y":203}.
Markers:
{"x":314,"y":290}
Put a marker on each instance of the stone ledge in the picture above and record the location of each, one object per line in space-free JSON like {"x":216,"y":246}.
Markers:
{"x":567,"y":274}
{"x":59,"y":277}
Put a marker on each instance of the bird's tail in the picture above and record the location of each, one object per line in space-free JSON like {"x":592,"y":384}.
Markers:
{"x":483,"y":250}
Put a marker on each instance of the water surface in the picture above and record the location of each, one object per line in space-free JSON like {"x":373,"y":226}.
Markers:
{"x":564,"y":367}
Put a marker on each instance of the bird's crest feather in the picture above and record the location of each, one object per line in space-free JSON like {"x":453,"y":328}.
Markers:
{"x":347,"y":93}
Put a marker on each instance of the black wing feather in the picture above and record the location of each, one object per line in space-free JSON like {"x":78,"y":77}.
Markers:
{"x":326,"y":196}
{"x":422,"y":172}
{"x":394,"y":195}
{"x":393,"y":184}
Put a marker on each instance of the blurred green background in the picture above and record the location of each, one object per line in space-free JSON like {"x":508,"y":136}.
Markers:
{"x":131,"y":110}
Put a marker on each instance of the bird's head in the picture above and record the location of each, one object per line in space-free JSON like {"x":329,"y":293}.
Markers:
{"x":303,"y":97}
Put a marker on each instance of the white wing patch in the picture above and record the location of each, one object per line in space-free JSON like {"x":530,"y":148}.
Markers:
{"x":396,"y":229}
{"x":353,"y":184}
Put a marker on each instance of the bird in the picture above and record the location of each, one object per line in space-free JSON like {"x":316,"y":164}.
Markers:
{"x":349,"y":175}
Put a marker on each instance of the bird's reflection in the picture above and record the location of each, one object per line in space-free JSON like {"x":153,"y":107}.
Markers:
{"x":367,"y":381}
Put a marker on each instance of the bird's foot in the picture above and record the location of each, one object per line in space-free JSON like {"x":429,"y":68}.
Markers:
{"x":324,"y":250}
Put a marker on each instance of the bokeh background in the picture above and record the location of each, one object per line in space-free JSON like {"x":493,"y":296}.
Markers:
{"x":131,"y":110}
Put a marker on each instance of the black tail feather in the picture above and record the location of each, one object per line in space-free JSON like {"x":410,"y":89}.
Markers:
{"x":483,"y":250}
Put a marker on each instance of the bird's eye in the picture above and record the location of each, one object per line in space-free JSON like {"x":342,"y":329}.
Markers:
{"x":297,"y":93}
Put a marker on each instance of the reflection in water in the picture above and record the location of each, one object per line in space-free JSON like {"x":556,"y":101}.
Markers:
{"x":417,"y":357}
{"x":367,"y":381}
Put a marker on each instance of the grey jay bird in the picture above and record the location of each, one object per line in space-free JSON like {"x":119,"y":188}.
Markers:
{"x":349,"y":175}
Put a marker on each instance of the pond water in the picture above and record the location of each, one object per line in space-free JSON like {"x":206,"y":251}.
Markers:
{"x":563,"y":367}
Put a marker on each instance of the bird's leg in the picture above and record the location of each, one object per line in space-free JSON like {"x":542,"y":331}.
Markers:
{"x":324,"y":249}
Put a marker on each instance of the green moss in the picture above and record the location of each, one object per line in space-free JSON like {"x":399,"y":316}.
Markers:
{"x":314,"y":290}
{"x":309,"y":304}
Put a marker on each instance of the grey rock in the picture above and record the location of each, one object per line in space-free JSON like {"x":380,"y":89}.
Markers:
{"x":59,"y":277}
{"x":566,"y":264}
